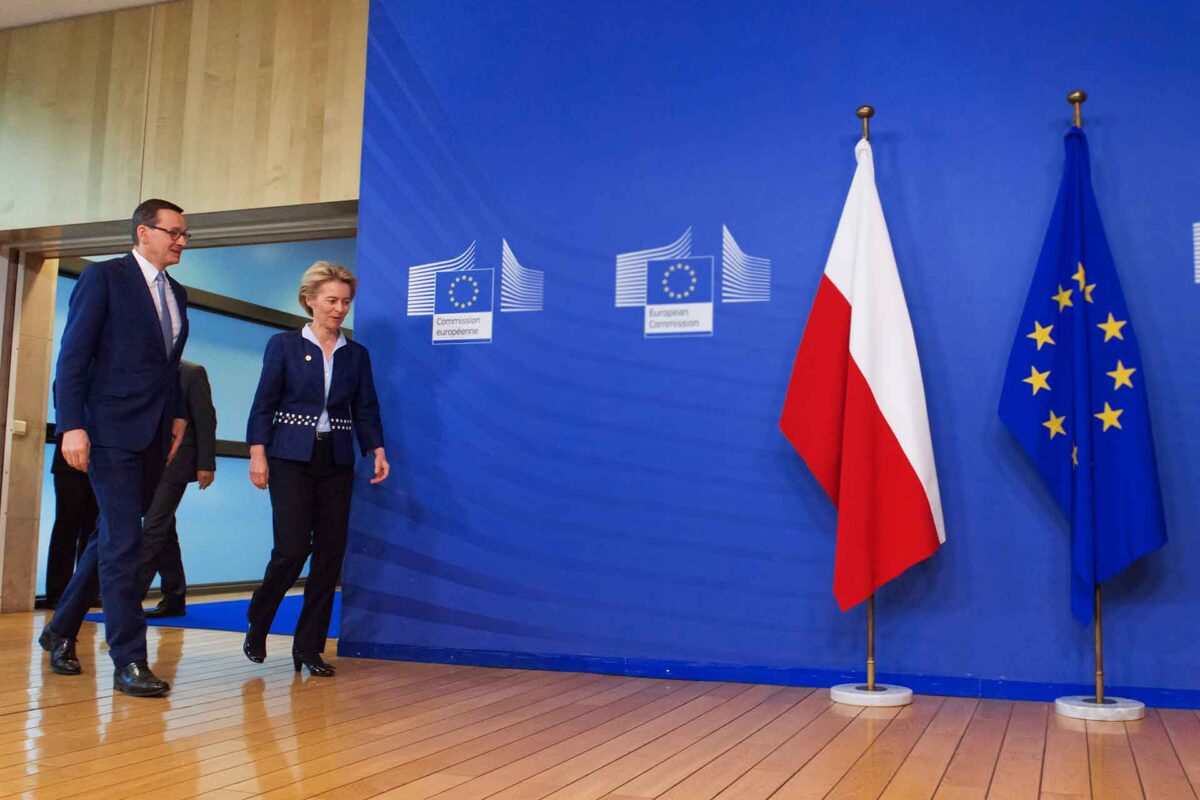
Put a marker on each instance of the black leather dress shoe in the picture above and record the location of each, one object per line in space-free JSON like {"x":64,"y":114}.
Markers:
{"x":255,"y":646}
{"x":136,"y":679}
{"x":62,"y":652}
{"x":316,"y":665}
{"x":163,"y":610}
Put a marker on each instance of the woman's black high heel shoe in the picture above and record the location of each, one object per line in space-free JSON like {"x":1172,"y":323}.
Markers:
{"x":255,"y":646}
{"x":316,"y":665}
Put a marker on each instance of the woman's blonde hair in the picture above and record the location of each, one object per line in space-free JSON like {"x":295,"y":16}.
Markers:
{"x":323,"y":272}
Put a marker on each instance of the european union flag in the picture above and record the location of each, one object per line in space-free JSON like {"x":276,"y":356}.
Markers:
{"x":1075,"y":393}
{"x":463,"y":291}
{"x":679,"y":280}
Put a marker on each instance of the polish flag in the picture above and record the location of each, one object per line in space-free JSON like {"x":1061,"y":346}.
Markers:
{"x":855,"y":405}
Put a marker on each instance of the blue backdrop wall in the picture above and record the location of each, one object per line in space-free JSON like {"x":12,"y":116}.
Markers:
{"x":577,"y":494}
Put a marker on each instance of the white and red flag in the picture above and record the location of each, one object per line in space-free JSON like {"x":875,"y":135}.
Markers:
{"x":855,"y":406}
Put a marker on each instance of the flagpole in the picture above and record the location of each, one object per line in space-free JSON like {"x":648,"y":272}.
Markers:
{"x":1096,"y":707}
{"x":1077,"y":98}
{"x":865,"y":113}
{"x":870,"y":693}
{"x":870,"y":637}
{"x":1099,"y":651}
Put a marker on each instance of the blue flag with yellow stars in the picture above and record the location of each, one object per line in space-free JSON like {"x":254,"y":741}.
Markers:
{"x":1075,"y":393}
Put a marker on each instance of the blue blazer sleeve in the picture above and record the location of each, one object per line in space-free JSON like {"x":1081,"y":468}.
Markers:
{"x":266,"y":398}
{"x":85,"y":321}
{"x":367,"y":424}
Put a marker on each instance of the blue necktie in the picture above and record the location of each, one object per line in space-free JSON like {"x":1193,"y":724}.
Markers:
{"x":164,"y":314}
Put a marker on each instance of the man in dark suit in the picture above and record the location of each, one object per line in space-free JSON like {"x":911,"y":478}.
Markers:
{"x":196,"y":461}
{"x":74,"y":522}
{"x":118,"y":404}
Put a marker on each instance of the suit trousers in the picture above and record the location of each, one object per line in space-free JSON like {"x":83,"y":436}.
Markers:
{"x":310,"y":508}
{"x":124,"y":482}
{"x":160,"y":545}
{"x":75,"y":515}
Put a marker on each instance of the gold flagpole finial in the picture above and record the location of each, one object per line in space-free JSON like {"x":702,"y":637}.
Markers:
{"x":1076,"y":99}
{"x":865,"y":113}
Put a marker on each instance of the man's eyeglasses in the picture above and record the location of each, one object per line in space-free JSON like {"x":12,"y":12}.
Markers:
{"x":174,"y":233}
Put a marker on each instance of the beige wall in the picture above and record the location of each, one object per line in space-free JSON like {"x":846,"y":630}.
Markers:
{"x":72,"y":111}
{"x":214,"y":104}
{"x":28,"y":399}
{"x":218,"y":105}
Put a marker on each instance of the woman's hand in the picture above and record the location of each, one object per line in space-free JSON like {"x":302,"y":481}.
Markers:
{"x":258,"y":466}
{"x":381,"y":466}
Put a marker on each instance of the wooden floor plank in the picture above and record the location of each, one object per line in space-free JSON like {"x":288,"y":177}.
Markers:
{"x":1110,"y":759}
{"x":1065,"y":771}
{"x":1018,"y":773}
{"x":332,"y":757}
{"x":620,"y":771}
{"x":922,"y":770}
{"x":764,"y":776}
{"x":232,"y":730}
{"x":1183,"y":729}
{"x":871,"y":774}
{"x":421,"y":757}
{"x":550,"y":753}
{"x":700,"y":772}
{"x":970,"y":771}
{"x":1158,"y":765}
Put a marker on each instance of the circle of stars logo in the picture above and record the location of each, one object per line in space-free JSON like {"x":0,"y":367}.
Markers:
{"x":689,"y":281}
{"x":472,"y":290}
{"x":1121,"y":375}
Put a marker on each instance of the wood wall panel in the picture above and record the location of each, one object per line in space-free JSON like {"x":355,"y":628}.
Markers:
{"x":29,"y":401}
{"x":255,"y":104}
{"x":72,"y":114}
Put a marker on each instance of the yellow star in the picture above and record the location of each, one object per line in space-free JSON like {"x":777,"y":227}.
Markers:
{"x":1063,"y":297}
{"x":1087,"y":292}
{"x":1055,"y":424}
{"x":1075,"y":455}
{"x":1040,"y":334}
{"x":1113,"y":327}
{"x":1109,"y":416}
{"x":1120,"y":376}
{"x":1081,"y":277}
{"x":1038,"y":379}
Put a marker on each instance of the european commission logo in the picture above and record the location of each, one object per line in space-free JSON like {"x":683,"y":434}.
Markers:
{"x":460,"y":296}
{"x":679,"y":297}
{"x":678,"y":290}
{"x":462,"y":307}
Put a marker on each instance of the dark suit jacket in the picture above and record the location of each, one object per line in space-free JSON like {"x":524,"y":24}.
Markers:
{"x":114,"y":378}
{"x":199,"y":448}
{"x":291,"y":394}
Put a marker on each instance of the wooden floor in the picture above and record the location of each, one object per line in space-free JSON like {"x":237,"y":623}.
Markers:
{"x":232,"y":729}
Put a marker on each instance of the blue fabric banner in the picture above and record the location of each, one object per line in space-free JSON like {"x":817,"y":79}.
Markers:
{"x":1075,"y":392}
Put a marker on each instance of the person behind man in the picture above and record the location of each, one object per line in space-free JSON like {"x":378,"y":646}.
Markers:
{"x":316,"y":387}
{"x":196,"y":462}
{"x":118,"y":404}
{"x":75,"y":515}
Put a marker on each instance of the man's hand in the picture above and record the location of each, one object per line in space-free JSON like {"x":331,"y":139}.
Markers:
{"x":76,"y":447}
{"x":259,"y":473}
{"x":205,"y":477}
{"x":178,"y":426}
{"x":381,"y":466}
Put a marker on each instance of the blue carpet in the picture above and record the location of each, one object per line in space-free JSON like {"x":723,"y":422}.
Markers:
{"x":230,"y":615}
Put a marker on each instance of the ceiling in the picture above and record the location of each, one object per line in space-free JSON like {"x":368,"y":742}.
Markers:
{"x":15,"y":13}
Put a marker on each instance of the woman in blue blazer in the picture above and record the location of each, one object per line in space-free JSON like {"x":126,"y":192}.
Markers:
{"x":316,"y":395}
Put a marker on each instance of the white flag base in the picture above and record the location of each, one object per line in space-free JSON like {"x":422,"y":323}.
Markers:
{"x":857,"y":694}
{"x":1081,"y":706}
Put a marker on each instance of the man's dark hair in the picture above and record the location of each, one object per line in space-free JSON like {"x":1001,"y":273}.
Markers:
{"x":147,"y":213}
